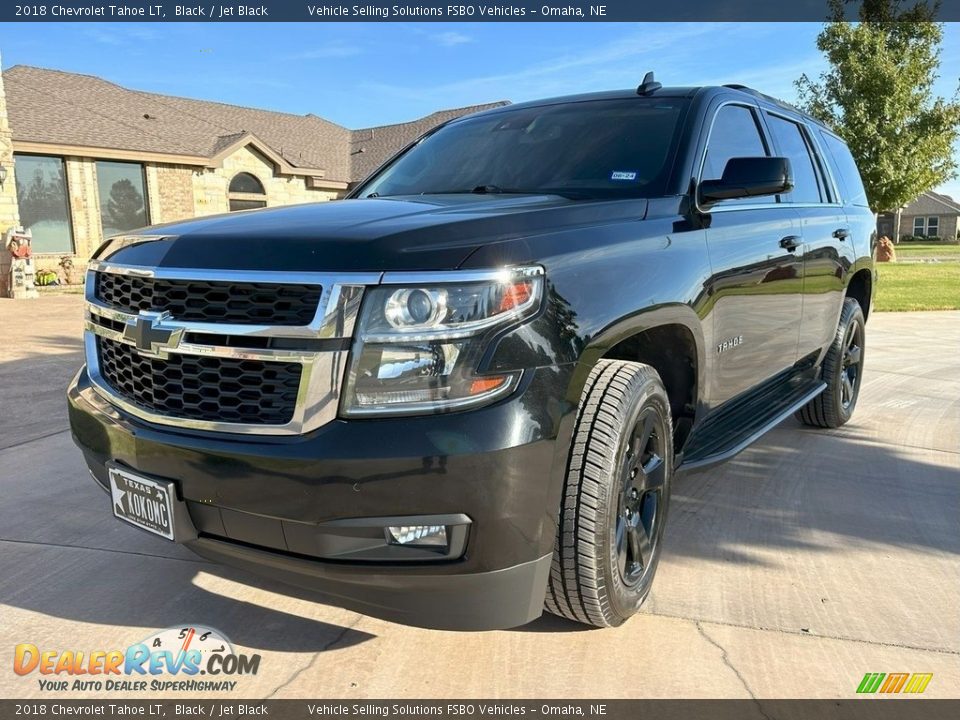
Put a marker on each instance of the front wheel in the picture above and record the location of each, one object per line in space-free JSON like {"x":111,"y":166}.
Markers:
{"x":842,"y":371}
{"x":615,"y":502}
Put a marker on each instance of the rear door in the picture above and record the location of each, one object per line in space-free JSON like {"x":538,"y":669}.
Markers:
{"x":757,"y":270}
{"x":827,"y":251}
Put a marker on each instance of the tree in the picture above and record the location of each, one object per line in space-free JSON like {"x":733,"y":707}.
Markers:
{"x":877,"y":95}
{"x":41,"y":198}
{"x":125,"y":206}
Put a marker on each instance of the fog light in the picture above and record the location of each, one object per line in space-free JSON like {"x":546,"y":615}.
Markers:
{"x":430,"y":535}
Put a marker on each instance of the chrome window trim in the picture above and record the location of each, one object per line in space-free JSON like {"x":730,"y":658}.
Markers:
{"x":764,"y":206}
{"x":321,"y":381}
{"x":755,"y":109}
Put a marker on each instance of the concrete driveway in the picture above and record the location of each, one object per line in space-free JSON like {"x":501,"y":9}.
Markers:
{"x":811,"y":559}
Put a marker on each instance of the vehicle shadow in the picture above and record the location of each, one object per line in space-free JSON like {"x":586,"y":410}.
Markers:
{"x":801,"y":494}
{"x":139,"y":594}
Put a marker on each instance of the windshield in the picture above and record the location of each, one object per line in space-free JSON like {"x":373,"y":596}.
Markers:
{"x":591,"y":149}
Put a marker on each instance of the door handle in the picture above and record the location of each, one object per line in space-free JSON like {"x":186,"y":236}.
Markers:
{"x":841,"y":233}
{"x":790,"y":243}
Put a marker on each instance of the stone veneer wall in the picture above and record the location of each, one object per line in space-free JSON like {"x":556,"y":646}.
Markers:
{"x":9,"y":213}
{"x":210,"y":185}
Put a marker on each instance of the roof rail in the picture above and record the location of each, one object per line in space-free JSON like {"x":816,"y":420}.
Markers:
{"x":776,"y":101}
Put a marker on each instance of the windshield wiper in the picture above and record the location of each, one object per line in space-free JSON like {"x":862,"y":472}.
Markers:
{"x":497,"y":190}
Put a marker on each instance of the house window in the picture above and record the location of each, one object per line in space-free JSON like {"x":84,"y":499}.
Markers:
{"x":926,"y":226}
{"x":123,"y":197}
{"x":44,"y":207}
{"x":246,"y":192}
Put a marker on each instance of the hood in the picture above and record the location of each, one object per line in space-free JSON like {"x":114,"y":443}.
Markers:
{"x":436,"y":232}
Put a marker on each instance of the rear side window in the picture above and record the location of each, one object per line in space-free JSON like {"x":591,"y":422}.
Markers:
{"x":734,"y":134}
{"x":845,"y":169}
{"x":792,"y":144}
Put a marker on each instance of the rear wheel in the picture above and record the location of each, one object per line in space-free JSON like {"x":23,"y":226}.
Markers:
{"x":615,"y":501}
{"x":842,"y":371}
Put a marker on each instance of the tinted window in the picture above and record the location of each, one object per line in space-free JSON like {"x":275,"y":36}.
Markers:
{"x":123,"y":197}
{"x":42,"y":197}
{"x":845,"y":170}
{"x":600,"y":148}
{"x":246,"y":183}
{"x":243,"y":191}
{"x":792,"y":144}
{"x":734,"y":134}
{"x":236,"y":204}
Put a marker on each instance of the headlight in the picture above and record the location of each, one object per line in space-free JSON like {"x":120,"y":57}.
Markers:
{"x":418,"y":346}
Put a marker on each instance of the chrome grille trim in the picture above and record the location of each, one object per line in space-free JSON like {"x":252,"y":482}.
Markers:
{"x":322,"y":377}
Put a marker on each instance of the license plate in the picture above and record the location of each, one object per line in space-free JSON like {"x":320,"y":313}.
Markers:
{"x":143,"y":502}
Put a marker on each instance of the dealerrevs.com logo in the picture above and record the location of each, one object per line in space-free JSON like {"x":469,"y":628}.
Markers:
{"x":891,"y":683}
{"x":183,"y":658}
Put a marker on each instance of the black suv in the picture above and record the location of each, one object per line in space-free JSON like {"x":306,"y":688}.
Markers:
{"x":462,"y":393}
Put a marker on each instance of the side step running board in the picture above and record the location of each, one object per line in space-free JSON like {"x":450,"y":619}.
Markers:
{"x":733,"y":430}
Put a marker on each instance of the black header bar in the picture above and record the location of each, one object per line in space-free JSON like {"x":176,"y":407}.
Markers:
{"x":469,"y":709}
{"x":443,"y":11}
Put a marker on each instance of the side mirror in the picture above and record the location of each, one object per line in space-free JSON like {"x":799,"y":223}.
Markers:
{"x":745,"y":177}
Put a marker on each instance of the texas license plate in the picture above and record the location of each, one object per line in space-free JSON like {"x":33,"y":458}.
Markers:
{"x":144,"y":502}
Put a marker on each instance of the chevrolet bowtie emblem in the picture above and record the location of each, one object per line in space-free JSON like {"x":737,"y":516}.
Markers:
{"x":150,"y":336}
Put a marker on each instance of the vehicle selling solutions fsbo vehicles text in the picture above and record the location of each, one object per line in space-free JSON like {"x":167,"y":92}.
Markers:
{"x":321,"y":12}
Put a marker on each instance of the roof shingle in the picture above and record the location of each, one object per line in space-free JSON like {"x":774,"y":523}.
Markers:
{"x":61,"y":108}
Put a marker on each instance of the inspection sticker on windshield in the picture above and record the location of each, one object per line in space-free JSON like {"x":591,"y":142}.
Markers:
{"x":623,"y":175}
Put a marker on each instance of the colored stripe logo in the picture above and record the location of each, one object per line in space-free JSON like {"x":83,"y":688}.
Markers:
{"x":889,"y":683}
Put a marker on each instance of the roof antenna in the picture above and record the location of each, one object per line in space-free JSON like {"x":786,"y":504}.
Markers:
{"x":649,"y":85}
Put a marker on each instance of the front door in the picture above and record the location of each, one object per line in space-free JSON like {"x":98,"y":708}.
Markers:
{"x":755,"y":248}
{"x":757,"y":294}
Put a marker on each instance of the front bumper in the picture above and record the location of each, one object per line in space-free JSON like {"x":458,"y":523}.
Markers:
{"x":263,"y":503}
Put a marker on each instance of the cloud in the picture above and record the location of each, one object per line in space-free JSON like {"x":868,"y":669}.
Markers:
{"x":448,"y":38}
{"x":570,"y":72}
{"x":775,"y":80}
{"x":451,"y":39}
{"x":126,"y":36}
{"x":326,"y":52}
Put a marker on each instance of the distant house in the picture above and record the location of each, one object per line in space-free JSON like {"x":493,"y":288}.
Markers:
{"x":930,"y":215}
{"x":84,"y":158}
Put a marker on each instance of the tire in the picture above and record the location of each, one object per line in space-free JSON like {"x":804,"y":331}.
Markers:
{"x":842,"y":371}
{"x":617,"y":493}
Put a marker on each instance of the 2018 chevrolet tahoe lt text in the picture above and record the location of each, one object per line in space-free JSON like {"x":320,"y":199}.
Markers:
{"x":461,"y":394}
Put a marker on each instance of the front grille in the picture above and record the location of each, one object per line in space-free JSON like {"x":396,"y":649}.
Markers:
{"x":195,"y":387}
{"x":242,"y":303}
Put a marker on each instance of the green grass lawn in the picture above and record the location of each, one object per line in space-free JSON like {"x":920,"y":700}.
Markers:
{"x":917,"y":286}
{"x":917,"y":250}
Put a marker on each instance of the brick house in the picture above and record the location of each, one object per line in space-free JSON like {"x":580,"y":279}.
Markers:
{"x":930,"y":215}
{"x":86,"y":158}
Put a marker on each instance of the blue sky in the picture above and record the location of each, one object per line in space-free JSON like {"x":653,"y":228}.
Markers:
{"x":360,"y":74}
